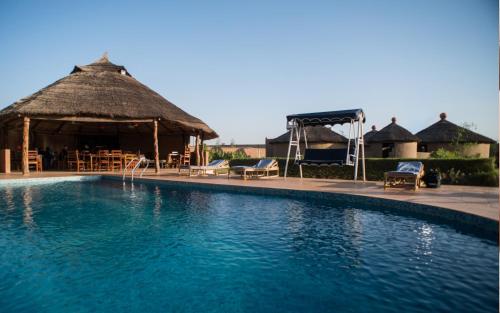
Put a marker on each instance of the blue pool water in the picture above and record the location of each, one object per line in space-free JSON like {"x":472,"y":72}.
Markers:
{"x":102,"y":247}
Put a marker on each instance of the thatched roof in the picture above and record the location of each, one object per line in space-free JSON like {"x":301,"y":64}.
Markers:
{"x":393,"y":133}
{"x":444,"y":131}
{"x":315,"y":134}
{"x":103,"y":91}
{"x":369,"y":134}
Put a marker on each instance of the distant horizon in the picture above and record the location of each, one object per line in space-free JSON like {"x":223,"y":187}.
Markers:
{"x":242,"y":67}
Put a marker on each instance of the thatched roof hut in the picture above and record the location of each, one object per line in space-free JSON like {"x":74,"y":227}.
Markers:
{"x":317,"y":137}
{"x":448,"y":136}
{"x":444,"y":131}
{"x":369,"y":134}
{"x":392,"y":133}
{"x":101,"y":100}
{"x":391,"y":141}
{"x":106,"y":93}
{"x":315,"y":134}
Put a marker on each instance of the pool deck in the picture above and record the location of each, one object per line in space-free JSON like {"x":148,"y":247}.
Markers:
{"x":481,"y":201}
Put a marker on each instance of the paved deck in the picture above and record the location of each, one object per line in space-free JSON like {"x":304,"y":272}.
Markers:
{"x":481,"y":201}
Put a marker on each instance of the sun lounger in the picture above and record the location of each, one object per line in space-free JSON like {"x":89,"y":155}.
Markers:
{"x":265,"y":168}
{"x":215,"y":167}
{"x":407,"y":173}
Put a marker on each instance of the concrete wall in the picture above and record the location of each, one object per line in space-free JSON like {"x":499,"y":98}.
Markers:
{"x":423,"y":155}
{"x":406,"y":150}
{"x":373,"y":150}
{"x":253,"y":152}
{"x":280,"y":150}
{"x":400,"y":150}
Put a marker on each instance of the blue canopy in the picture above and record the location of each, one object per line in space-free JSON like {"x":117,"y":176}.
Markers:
{"x":327,"y":118}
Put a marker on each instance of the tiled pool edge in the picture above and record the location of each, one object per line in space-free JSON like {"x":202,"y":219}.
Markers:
{"x":47,"y":180}
{"x":480,"y":222}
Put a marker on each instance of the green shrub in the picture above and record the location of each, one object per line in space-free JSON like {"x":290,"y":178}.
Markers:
{"x":475,"y":172}
{"x":216,"y":153}
{"x":445,"y":154}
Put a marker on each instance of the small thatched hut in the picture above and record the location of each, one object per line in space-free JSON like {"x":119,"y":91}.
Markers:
{"x":318,"y":137}
{"x":447,"y":135}
{"x":392,"y":141}
{"x":99,"y":104}
{"x":369,"y":134}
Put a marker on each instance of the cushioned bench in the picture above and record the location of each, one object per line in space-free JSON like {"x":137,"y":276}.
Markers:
{"x":324,"y":157}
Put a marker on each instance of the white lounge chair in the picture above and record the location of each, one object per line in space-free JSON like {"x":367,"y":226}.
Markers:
{"x":215,"y":167}
{"x":265,"y":168}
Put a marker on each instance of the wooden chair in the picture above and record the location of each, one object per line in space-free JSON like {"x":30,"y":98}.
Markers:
{"x":186,"y":158}
{"x":116,"y":160}
{"x":130,"y":160}
{"x":86,"y":157}
{"x":103,"y":160}
{"x":35,"y":159}
{"x":74,"y":161}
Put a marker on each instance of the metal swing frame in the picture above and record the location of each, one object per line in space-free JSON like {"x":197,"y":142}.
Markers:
{"x":297,"y":127}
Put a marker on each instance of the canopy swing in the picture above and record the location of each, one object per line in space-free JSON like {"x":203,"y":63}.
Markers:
{"x":327,"y":157}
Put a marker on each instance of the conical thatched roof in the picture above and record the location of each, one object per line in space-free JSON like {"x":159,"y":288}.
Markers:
{"x":369,"y":134}
{"x":104,"y":91}
{"x":393,"y":133}
{"x":315,"y":134}
{"x":444,"y":131}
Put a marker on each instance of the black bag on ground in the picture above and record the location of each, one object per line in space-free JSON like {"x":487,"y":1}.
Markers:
{"x":432,"y":179}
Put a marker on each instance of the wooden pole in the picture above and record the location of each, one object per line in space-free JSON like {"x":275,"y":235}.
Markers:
{"x":203,"y":160}
{"x":197,"y":149}
{"x":157,"y":157}
{"x":26,"y":136}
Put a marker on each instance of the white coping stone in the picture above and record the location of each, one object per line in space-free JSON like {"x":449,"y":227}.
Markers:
{"x":45,"y":180}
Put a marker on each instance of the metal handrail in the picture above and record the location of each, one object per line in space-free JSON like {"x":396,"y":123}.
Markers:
{"x":136,"y":166}
{"x":145,"y":167}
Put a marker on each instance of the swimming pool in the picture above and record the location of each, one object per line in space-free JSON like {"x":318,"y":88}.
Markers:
{"x":107,"y":247}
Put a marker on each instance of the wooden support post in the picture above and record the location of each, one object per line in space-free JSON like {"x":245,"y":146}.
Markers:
{"x":202,"y":151}
{"x":157,"y":156}
{"x":4,"y":138}
{"x":26,"y":143}
{"x":197,"y":149}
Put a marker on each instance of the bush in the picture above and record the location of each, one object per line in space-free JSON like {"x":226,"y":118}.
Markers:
{"x":475,"y":172}
{"x":445,"y":154}
{"x":216,"y":153}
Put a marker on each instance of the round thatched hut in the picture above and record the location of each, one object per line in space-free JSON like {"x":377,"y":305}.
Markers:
{"x":369,"y":134}
{"x":99,"y":104}
{"x":449,"y":136}
{"x":392,"y":141}
{"x":318,"y":137}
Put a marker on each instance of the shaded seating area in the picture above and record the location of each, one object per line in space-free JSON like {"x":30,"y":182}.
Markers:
{"x":215,"y":167}
{"x":85,"y":120}
{"x":264,"y":168}
{"x":406,"y":174}
{"x":325,"y":157}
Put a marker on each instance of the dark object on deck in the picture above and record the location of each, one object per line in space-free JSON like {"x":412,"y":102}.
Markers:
{"x":432,"y":179}
{"x":324,"y":157}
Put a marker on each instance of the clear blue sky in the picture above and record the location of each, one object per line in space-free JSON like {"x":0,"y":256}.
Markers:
{"x":241,"y":66}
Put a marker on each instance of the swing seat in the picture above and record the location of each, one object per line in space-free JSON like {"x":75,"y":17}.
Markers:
{"x":324,"y":157}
